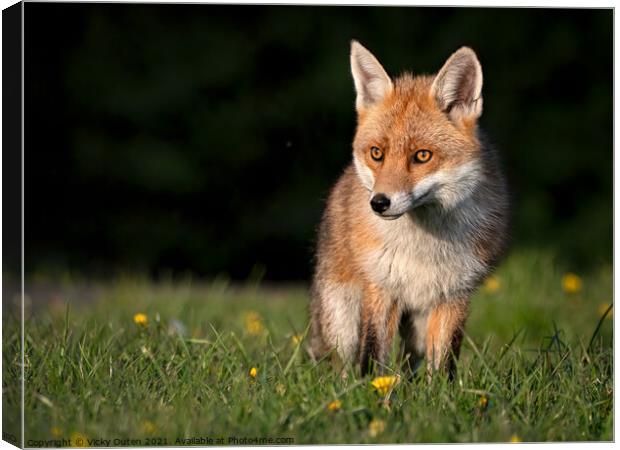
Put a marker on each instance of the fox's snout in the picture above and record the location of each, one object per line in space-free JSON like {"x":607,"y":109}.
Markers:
{"x":380,"y":203}
{"x":392,"y":205}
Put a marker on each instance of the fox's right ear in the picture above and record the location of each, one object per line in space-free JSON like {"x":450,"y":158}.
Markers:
{"x":372,"y":83}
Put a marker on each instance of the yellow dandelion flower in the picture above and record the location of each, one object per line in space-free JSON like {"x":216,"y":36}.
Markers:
{"x":603,"y":308}
{"x":483,"y":402}
{"x":253,"y":323}
{"x":296,"y":339}
{"x":491,"y":284}
{"x":253,"y":372}
{"x":56,"y":432}
{"x":335,"y":405}
{"x":384,"y":384}
{"x":376,"y":427}
{"x":571,"y":283}
{"x":78,"y":440}
{"x":141,"y":319}
{"x":515,"y":439}
{"x":147,"y":427}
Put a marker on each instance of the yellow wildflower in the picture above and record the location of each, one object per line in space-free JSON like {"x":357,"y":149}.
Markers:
{"x":147,"y":427}
{"x":571,"y":283}
{"x":253,"y":372}
{"x":253,"y":324}
{"x":296,"y":339}
{"x":491,"y":284}
{"x":376,"y":427}
{"x":140,"y":319}
{"x":602,"y":308}
{"x":483,"y":402}
{"x":335,"y":405}
{"x":515,"y":439}
{"x":78,"y":440}
{"x":384,"y":384}
{"x":56,"y":432}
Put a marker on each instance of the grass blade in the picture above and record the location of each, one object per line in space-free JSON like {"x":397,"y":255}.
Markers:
{"x":296,"y":352}
{"x":598,"y":326}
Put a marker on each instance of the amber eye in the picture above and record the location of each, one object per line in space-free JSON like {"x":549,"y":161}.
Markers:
{"x":376,"y":153}
{"x":422,"y":156}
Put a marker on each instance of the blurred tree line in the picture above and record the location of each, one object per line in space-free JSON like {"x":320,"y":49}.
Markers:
{"x":205,"y":138}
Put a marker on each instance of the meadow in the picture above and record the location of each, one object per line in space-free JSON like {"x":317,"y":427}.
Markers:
{"x":188,"y":362}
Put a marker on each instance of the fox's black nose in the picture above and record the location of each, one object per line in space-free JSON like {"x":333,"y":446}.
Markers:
{"x":379,"y":203}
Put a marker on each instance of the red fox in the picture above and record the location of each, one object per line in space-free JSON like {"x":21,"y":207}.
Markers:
{"x":415,"y":222}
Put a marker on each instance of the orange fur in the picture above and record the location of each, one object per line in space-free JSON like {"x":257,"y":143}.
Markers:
{"x":444,"y":333}
{"x":407,"y":121}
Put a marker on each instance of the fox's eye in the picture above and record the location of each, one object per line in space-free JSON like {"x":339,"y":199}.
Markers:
{"x":422,"y":156}
{"x":376,"y":153}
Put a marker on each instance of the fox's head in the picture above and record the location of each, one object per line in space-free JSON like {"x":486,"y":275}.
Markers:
{"x":416,"y":141}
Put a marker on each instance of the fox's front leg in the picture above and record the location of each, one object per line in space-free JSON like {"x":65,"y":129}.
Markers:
{"x":444,"y":333}
{"x":335,"y":317}
{"x":379,"y":322}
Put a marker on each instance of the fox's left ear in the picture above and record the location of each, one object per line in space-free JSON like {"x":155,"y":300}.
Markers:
{"x":458,"y":85}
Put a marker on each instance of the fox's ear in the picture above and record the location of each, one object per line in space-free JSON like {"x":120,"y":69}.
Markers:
{"x":458,"y":85}
{"x":372,"y":83}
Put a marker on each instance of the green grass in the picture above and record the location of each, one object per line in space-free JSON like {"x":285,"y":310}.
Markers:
{"x":529,"y":352}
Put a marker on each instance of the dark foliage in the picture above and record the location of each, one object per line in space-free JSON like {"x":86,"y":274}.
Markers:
{"x":205,"y":138}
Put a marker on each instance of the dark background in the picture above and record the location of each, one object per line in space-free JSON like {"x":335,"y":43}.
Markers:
{"x":204,"y":139}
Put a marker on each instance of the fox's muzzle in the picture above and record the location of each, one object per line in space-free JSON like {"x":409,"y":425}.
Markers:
{"x":380,"y":203}
{"x":392,"y":206}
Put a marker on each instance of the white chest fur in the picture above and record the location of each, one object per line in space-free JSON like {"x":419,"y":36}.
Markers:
{"x":420,"y":264}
